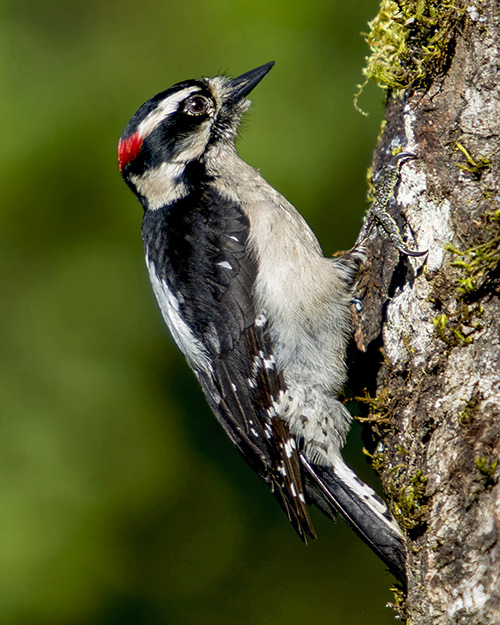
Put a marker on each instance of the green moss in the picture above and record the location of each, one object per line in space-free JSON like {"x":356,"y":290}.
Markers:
{"x":407,"y":494}
{"x":399,"y":603}
{"x":377,"y":460}
{"x":410,"y":501}
{"x":477,"y":269}
{"x":467,"y":415}
{"x":440,"y":324}
{"x":487,"y":469}
{"x":475,"y":167}
{"x":378,"y":406}
{"x":451,"y":329}
{"x":475,"y":264}
{"x":410,"y":42}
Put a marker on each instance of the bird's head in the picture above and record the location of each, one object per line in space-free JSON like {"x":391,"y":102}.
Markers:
{"x":177,"y":127}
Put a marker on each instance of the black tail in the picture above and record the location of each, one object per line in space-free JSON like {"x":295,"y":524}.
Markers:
{"x":339,"y":490}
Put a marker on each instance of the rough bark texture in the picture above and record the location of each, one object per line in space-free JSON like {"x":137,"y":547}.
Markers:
{"x":436,"y":403}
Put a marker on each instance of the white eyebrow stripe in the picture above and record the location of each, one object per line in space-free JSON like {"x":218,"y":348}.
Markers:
{"x":165,"y":108}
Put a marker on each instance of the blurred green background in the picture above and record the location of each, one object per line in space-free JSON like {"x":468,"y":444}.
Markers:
{"x":121,"y":500}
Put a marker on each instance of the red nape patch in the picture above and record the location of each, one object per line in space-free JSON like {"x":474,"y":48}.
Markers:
{"x":128,"y":149}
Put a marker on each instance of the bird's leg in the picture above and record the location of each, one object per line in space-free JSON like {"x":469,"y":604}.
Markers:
{"x":385,"y":184}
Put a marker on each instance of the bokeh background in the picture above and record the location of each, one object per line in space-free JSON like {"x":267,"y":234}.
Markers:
{"x":121,"y":500}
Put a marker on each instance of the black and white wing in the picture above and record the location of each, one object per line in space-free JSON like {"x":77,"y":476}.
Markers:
{"x":203,"y":278}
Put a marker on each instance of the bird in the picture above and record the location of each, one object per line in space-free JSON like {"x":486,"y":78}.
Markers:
{"x":260,"y":314}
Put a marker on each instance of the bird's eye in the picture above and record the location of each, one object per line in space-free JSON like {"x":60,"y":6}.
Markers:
{"x":197,"y":105}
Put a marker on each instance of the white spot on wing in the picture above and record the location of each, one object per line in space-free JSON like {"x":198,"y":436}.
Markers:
{"x":282,"y":469}
{"x":261,"y":320}
{"x":269,"y":363}
{"x":225,"y":264}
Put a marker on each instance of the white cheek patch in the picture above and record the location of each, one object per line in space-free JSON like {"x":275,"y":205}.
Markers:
{"x":165,"y":108}
{"x":161,"y":186}
{"x":192,"y":147}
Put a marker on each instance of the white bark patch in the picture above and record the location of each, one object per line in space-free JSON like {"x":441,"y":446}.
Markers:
{"x":430,"y":222}
{"x":480,"y":116}
{"x":408,"y":322}
{"x":409,"y":120}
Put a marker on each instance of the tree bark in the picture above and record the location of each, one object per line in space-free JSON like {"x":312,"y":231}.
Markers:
{"x":429,"y":328}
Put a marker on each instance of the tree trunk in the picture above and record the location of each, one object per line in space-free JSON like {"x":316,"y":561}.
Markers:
{"x":435,"y":404}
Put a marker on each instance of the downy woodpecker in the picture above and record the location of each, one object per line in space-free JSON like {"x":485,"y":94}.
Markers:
{"x":262,"y":317}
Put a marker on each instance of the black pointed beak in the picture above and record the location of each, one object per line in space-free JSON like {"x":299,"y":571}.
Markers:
{"x":246,"y":82}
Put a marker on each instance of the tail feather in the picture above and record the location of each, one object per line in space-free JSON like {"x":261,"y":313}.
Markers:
{"x":339,"y":490}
